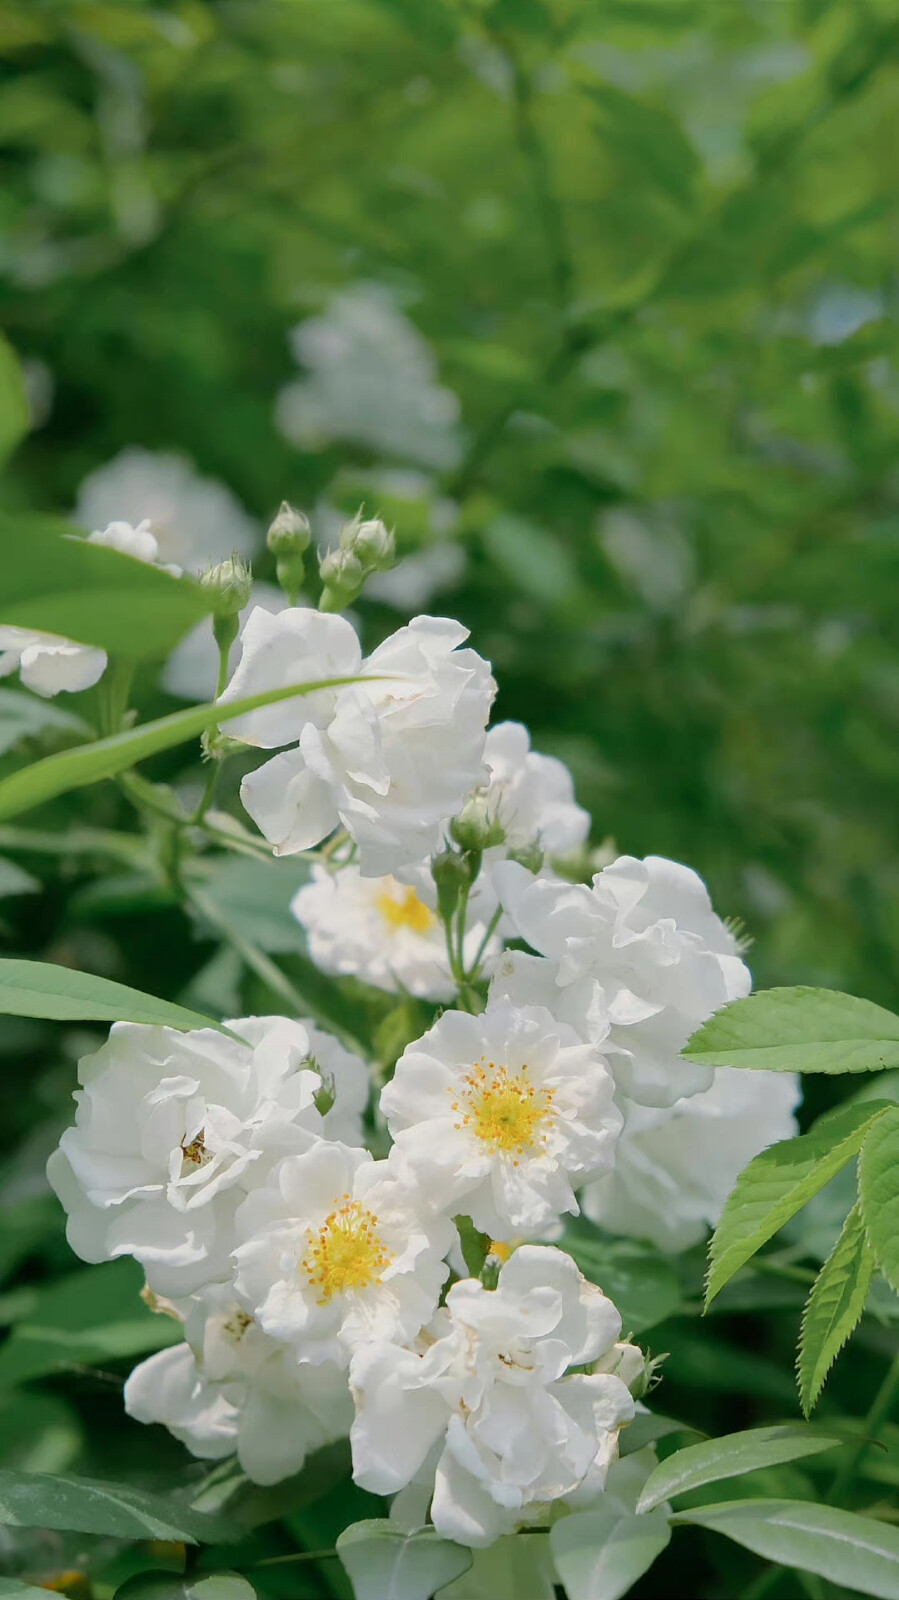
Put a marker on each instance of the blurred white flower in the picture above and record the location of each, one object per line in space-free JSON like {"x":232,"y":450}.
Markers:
{"x":171,"y":1131}
{"x":391,"y":758}
{"x":336,"y":1250}
{"x":495,"y":1115}
{"x":491,"y":1393}
{"x":229,"y":1388}
{"x":196,"y":521}
{"x":635,"y":963}
{"x":383,"y":932}
{"x":372,"y":379}
{"x":676,"y":1166}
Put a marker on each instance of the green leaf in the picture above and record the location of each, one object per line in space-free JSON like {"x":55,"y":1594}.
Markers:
{"x":26,"y":716}
{"x":186,"y":1586}
{"x":86,"y":1505}
{"x":647,"y":1427}
{"x":834,"y":1306}
{"x":15,"y":880}
{"x":15,"y":415}
{"x":650,"y":141}
{"x":60,"y":583}
{"x":104,"y":758}
{"x":256,"y":896}
{"x":39,"y":1432}
{"x":40,"y":989}
{"x":878,"y":1187}
{"x":778,"y":1182}
{"x":10,"y":1589}
{"x":799,"y":1030}
{"x":229,"y":1501}
{"x":89,"y":1318}
{"x":640,"y":1282}
{"x":599,"y":1555}
{"x":730,"y":1457}
{"x":857,"y":1552}
{"x":385,"y":1563}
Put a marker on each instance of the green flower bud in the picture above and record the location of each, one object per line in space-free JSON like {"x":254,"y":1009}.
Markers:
{"x":371,"y":542}
{"x":289,"y":532}
{"x":476,"y":827}
{"x":343,"y":575}
{"x":231,"y":584}
{"x":451,"y":873}
{"x":528,"y":855}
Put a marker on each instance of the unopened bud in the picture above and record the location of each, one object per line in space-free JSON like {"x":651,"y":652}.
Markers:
{"x":477,"y":827}
{"x":288,"y":539}
{"x":528,"y":855}
{"x":371,"y":542}
{"x":343,"y":575}
{"x":451,"y":874}
{"x":325,"y":1096}
{"x":230,"y":583}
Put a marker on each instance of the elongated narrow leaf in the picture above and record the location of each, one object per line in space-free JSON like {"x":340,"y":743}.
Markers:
{"x":778,"y":1182}
{"x":599,"y":1555}
{"x":834,"y":1306}
{"x":86,"y":1505}
{"x":386,"y":1563}
{"x":40,"y":989}
{"x":799,"y":1030}
{"x":59,"y":583}
{"x":878,"y":1187}
{"x":104,"y":758}
{"x":730,"y":1457}
{"x":854,"y":1551}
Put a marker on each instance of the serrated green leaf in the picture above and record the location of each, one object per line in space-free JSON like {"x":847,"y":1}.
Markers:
{"x":834,"y":1306}
{"x":40,"y":989}
{"x":90,"y":1318}
{"x":104,"y":758}
{"x":778,"y":1182}
{"x":87,"y":1505}
{"x":878,"y":1187}
{"x":798,"y":1030}
{"x":385,"y":1563}
{"x":730,"y":1457}
{"x":600,"y":1554}
{"x":837,"y":1545}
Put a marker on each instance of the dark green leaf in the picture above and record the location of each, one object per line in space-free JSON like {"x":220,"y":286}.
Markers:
{"x":91,"y":1318}
{"x":640,"y":1282}
{"x":844,"y":1548}
{"x":86,"y":1505}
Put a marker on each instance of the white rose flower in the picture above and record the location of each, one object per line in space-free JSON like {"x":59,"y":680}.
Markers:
{"x":195,"y":521}
{"x":171,"y":1131}
{"x":396,"y":758}
{"x":50,"y":665}
{"x":494,"y":1393}
{"x":336,"y":1250}
{"x":676,"y":1166}
{"x":531,"y":795}
{"x":384,"y":932}
{"x":636,"y":962}
{"x":494,"y":1115}
{"x":347,"y":1077}
{"x":230,"y":1388}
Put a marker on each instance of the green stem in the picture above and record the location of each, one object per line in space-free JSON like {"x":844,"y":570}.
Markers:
{"x":299,"y":1555}
{"x":489,"y":931}
{"x":126,"y":847}
{"x":880,"y":1409}
{"x":213,"y":774}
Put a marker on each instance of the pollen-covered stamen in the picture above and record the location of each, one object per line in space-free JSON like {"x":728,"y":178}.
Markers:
{"x":402,"y":908}
{"x":236,"y":1325}
{"x":347,"y":1252}
{"x":196,"y":1153}
{"x":504,"y":1110}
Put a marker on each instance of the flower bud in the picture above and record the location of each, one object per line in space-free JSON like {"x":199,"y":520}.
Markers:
{"x":476,"y":827}
{"x":371,"y":542}
{"x":528,"y":855}
{"x":343,"y":575}
{"x":288,"y":539}
{"x":231,"y":584}
{"x":451,"y":873}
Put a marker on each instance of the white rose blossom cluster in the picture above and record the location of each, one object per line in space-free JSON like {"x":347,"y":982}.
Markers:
{"x":410,"y":1300}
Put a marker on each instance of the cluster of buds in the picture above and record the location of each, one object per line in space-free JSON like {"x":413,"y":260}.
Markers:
{"x":366,"y":545}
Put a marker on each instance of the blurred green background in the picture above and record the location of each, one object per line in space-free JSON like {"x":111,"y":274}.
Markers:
{"x":593,"y":299}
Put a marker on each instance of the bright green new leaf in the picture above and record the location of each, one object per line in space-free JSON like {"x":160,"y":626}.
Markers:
{"x":798,"y":1030}
{"x":59,"y":583}
{"x":104,"y":758}
{"x":778,"y":1182}
{"x":86,"y":1505}
{"x":40,"y":989}
{"x":854,"y":1551}
{"x":385,"y":1563}
{"x":637,"y":1279}
{"x":878,"y":1187}
{"x":599,"y":1555}
{"x":89,"y":1318}
{"x":834,"y":1306}
{"x":730,"y":1457}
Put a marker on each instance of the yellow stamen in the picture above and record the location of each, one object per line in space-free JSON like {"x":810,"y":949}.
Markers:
{"x":347,"y":1253}
{"x":196,"y":1150}
{"x":401,"y":908}
{"x":503,"y":1109}
{"x":500,"y":1250}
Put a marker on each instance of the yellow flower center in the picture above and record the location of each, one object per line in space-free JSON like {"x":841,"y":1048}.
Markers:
{"x":401,"y":908}
{"x":503,"y":1109}
{"x":196,"y":1152}
{"x":347,"y":1252}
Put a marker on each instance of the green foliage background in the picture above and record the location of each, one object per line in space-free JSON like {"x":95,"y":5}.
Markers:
{"x":652,"y":246}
